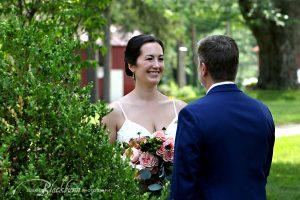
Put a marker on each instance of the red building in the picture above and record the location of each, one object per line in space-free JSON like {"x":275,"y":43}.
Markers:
{"x":120,"y":83}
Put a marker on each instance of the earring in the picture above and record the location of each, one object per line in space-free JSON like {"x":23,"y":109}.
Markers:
{"x":133,"y":75}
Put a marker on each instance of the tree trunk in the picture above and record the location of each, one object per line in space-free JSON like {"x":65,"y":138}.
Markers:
{"x":195,"y":54}
{"x":278,"y":45}
{"x":277,"y":66}
{"x":228,"y":27}
{"x":92,"y":75}
{"x":107,"y":59}
{"x":181,"y":75}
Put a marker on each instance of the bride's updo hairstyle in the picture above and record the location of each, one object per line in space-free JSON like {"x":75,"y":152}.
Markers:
{"x":133,"y":50}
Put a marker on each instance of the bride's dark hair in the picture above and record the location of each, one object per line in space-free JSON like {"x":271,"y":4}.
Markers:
{"x":133,"y":49}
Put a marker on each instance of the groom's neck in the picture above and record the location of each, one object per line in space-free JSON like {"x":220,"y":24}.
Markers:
{"x":208,"y":84}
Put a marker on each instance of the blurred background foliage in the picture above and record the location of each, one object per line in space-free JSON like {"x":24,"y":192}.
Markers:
{"x":266,"y":31}
{"x":265,"y":28}
{"x":183,"y":23}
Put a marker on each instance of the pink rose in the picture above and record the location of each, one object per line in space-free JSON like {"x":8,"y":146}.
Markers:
{"x":167,"y":145}
{"x":160,"y":135}
{"x":135,"y":155}
{"x":148,"y":160}
{"x":161,"y":150}
{"x":168,"y":156}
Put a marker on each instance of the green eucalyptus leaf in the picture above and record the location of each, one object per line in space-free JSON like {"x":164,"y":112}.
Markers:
{"x":145,"y":174}
{"x":154,"y":187}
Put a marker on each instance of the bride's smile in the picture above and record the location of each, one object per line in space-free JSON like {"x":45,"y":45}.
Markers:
{"x":149,"y":65}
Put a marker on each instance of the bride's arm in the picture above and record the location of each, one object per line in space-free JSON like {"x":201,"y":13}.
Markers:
{"x":111,"y":121}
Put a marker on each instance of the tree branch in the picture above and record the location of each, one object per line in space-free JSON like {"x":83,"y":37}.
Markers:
{"x":20,"y":6}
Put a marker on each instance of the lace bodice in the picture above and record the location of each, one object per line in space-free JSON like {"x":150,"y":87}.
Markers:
{"x":131,"y":129}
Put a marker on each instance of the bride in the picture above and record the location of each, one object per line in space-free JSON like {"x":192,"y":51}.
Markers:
{"x":144,"y":110}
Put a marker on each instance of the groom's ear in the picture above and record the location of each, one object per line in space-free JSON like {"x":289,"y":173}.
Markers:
{"x":203,"y":69}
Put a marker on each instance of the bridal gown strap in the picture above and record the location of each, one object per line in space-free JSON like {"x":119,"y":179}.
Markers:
{"x":171,"y":129}
{"x":130,"y":129}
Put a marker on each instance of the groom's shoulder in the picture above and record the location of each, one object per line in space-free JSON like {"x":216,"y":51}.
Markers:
{"x":201,"y":100}
{"x":259,"y":105}
{"x":256,"y":101}
{"x":196,"y":104}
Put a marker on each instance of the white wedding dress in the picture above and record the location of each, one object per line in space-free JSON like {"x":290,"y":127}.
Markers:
{"x":131,"y":129}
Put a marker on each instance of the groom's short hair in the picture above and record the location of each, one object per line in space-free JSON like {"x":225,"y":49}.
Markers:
{"x":220,"y":54}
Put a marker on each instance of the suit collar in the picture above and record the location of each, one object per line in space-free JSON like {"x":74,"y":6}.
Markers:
{"x":224,"y":88}
{"x":219,"y":83}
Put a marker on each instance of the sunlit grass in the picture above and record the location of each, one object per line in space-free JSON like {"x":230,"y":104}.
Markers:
{"x":284,"y":105}
{"x":284,"y":179}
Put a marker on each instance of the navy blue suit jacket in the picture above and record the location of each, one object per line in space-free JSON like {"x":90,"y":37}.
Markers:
{"x":223,"y":147}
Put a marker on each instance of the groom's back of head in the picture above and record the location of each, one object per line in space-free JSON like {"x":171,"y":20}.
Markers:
{"x":221,"y":56}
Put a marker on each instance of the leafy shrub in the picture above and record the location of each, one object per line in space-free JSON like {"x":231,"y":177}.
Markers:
{"x":187,"y":93}
{"x":49,"y":147}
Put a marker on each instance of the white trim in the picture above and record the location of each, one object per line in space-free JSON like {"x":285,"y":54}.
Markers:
{"x":220,"y":83}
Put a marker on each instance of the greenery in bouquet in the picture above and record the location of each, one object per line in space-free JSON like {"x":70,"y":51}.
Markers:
{"x":152,"y":157}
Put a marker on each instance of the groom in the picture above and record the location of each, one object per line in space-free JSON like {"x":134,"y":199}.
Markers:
{"x":224,"y":141}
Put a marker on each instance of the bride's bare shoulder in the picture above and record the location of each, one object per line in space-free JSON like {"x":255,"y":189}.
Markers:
{"x":116,"y":106}
{"x":116,"y":109}
{"x":116,"y":113}
{"x":180,"y":104}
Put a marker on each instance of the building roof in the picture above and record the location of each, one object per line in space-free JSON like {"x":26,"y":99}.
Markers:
{"x":118,"y":36}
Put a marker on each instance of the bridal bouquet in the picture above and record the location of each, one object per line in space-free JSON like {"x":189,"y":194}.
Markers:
{"x":152,"y":158}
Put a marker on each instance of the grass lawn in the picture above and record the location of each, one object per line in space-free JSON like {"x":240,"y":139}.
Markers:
{"x":284,"y":105}
{"x":284,"y":179}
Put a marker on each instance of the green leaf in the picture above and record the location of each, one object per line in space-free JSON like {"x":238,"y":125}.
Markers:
{"x":154,"y":187}
{"x":145,"y":174}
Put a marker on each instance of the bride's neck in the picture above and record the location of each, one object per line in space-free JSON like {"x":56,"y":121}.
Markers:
{"x":146,"y":93}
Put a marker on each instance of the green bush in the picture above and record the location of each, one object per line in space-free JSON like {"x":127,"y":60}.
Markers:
{"x":187,"y":93}
{"x":49,"y":148}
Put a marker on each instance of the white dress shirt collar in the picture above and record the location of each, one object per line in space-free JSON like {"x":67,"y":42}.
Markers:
{"x":219,"y":83}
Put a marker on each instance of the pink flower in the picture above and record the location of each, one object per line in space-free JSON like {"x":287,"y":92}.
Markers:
{"x":161,"y":150}
{"x":160,"y":135}
{"x":168,"y":156}
{"x":135,"y":155}
{"x":148,"y":160}
{"x":167,"y":150}
{"x":168,"y":144}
